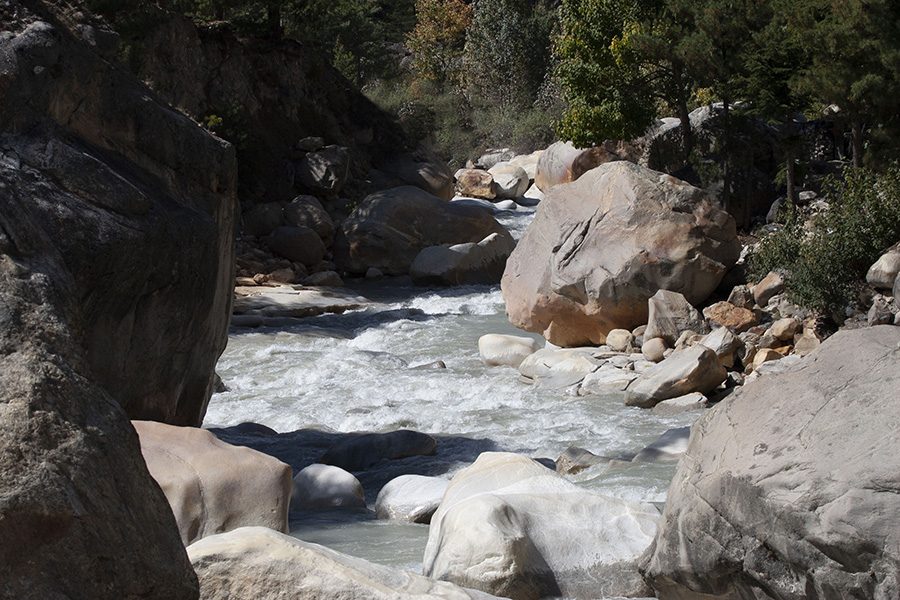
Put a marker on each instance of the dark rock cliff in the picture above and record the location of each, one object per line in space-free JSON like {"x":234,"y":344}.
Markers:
{"x":116,"y":267}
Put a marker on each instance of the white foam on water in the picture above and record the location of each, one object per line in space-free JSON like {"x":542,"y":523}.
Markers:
{"x":353,"y":372}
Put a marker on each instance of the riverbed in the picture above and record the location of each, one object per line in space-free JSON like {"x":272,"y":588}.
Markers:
{"x":377,"y":369}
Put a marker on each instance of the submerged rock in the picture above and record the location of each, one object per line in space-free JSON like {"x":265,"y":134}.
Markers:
{"x":362,"y":451}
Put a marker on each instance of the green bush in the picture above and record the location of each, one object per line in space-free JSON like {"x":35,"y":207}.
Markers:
{"x":825,"y":268}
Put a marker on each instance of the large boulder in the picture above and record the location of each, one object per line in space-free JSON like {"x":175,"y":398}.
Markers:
{"x":117,"y":216}
{"x":307,"y":211}
{"x":883,"y":273}
{"x":389,"y":229}
{"x":510,"y":526}
{"x":213,"y":486}
{"x":297,"y":244}
{"x":141,"y":204}
{"x":779,"y":495}
{"x":600,"y":247}
{"x":510,"y":181}
{"x":255,"y":563}
{"x":475,"y":183}
{"x":325,"y":170}
{"x":562,"y":162}
{"x":463,"y":264}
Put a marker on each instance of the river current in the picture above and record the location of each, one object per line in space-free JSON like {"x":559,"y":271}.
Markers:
{"x":359,"y":371}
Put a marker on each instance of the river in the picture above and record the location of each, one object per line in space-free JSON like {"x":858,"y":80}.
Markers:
{"x":357,"y":371}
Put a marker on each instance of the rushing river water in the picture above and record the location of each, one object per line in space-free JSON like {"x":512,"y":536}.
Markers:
{"x":357,"y":372}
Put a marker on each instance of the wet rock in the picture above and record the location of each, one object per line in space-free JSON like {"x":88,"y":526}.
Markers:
{"x":254,"y":563}
{"x":213,"y":486}
{"x":575,"y":460}
{"x":412,"y":498}
{"x":359,"y":452}
{"x":324,"y":486}
{"x":497,"y":349}
{"x":583,"y":546}
{"x":669,"y":447}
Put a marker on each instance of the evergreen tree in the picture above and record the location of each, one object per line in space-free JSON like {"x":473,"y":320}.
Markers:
{"x":856,"y":61}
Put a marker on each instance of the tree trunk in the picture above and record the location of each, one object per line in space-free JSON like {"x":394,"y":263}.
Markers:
{"x":687,"y":133}
{"x":273,"y":22}
{"x":789,"y":154}
{"x":726,"y":155}
{"x":856,"y":129}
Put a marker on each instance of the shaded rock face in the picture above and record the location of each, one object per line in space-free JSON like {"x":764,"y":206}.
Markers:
{"x":390,"y":228}
{"x":277,"y":93}
{"x":788,"y":486}
{"x":80,"y":516}
{"x":600,"y":247}
{"x":140,"y":204}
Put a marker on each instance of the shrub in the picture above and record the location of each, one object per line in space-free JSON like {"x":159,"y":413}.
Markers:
{"x":825,"y":268}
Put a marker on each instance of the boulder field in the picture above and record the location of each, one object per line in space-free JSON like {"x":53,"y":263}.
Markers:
{"x":601,"y":246}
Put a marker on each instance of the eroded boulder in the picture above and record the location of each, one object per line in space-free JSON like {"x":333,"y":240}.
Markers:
{"x":359,"y":452}
{"x":213,"y":486}
{"x":779,"y":496}
{"x":581,"y":545}
{"x":600,"y":247}
{"x":463,"y":264}
{"x":413,"y":498}
{"x":255,"y":563}
{"x":389,"y":229}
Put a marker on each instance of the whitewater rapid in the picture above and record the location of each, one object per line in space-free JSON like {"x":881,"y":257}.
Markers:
{"x":363,"y":371}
